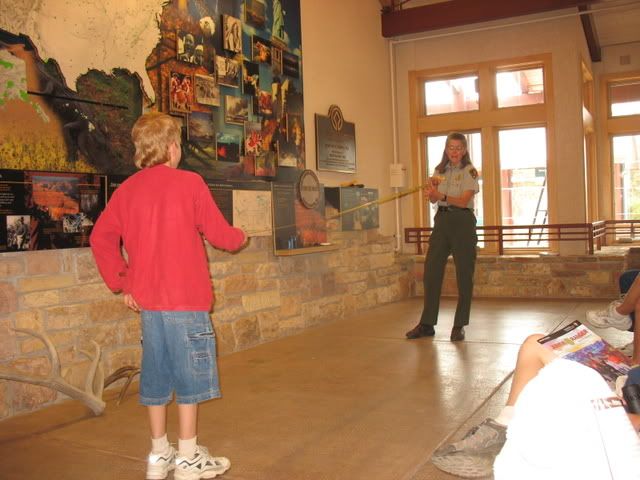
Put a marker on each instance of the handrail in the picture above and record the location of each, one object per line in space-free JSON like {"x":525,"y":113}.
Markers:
{"x":594,"y":234}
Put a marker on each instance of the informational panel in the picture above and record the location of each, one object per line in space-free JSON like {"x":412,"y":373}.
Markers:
{"x":351,"y":208}
{"x":335,"y":145}
{"x":296,"y":227}
{"x":245,"y":205}
{"x":43,"y":210}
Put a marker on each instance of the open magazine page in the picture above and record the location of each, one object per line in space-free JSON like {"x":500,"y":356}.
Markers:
{"x":576,"y":342}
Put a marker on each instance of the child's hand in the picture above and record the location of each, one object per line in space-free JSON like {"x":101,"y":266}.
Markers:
{"x":130,"y":302}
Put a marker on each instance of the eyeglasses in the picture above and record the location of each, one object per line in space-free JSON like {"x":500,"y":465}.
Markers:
{"x":455,"y":148}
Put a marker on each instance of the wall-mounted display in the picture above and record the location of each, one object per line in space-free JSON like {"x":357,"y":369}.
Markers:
{"x":217,"y":65}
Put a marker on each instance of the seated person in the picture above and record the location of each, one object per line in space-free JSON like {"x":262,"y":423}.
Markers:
{"x":621,"y":314}
{"x":556,"y":393}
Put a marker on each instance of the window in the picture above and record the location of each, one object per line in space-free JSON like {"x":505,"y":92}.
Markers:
{"x":626,"y":177}
{"x":520,"y":87}
{"x":624,"y":98}
{"x":523,"y":182}
{"x":452,"y":95}
{"x":507,"y":145}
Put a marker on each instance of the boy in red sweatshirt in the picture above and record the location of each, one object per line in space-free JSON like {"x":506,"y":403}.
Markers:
{"x":161,"y":214}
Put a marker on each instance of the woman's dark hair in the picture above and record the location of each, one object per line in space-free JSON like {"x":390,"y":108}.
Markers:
{"x":466,"y":160}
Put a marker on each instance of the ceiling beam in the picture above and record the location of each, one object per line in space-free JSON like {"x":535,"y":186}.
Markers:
{"x":454,"y":13}
{"x":590,"y":34}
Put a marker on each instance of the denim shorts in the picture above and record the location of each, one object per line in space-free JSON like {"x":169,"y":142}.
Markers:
{"x":178,"y":354}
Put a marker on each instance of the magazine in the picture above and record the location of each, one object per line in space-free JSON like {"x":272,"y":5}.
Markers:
{"x":576,"y":342}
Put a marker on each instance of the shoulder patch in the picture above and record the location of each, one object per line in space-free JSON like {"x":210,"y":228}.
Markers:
{"x":474,"y":173}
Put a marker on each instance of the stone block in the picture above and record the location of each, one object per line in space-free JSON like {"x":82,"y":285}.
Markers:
{"x":290,"y":305}
{"x":294,"y":283}
{"x":86,"y":268}
{"x":107,"y":310}
{"x":11,"y":267}
{"x":130,"y":330}
{"x":247,"y":332}
{"x":122,"y":357}
{"x":8,"y":298}
{"x":45,"y":282}
{"x":268,"y":284}
{"x":382,"y":260}
{"x":226,"y":340}
{"x":45,"y":298}
{"x":269,"y":324}
{"x":66,"y":316}
{"x":229,"y":314}
{"x":85,"y":293}
{"x":357,"y":288}
{"x":30,"y":319}
{"x":291,"y":325}
{"x":239,"y":284}
{"x":105,"y":335}
{"x":26,"y":397}
{"x":222,"y":269}
{"x":8,"y":344}
{"x":261,"y":301}
{"x":40,"y":366}
{"x":43,"y":262}
{"x":5,"y":407}
{"x":599,"y":277}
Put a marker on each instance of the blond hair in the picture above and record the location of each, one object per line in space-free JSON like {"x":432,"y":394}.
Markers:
{"x":152,"y":135}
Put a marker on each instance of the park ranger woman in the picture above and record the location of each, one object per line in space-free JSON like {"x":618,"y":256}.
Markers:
{"x":453,"y":187}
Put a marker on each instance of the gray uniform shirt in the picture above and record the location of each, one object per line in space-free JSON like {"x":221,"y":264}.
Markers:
{"x":459,"y":179}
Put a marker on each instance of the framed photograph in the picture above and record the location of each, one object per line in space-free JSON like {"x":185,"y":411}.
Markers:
{"x":180,"y":92}
{"x":201,"y":128}
{"x":190,"y":48}
{"x":290,"y":65}
{"x":265,"y":103}
{"x":295,"y":131}
{"x":207,"y":92}
{"x":231,"y":34}
{"x":250,"y":78}
{"x":260,"y":50}
{"x":236,"y":109}
{"x":228,"y":71}
{"x":252,"y":138}
{"x":269,"y":128}
{"x":228,"y":147}
{"x":18,"y":232}
{"x":276,"y":60}
{"x":255,"y":13}
{"x":266,"y":164}
{"x":208,"y":28}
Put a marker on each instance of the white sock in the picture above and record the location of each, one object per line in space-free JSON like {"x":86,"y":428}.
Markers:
{"x":159,"y":445}
{"x":505,"y":416}
{"x":187,"y":448}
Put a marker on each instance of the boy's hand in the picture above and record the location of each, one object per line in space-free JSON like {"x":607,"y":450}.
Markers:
{"x":130,"y":302}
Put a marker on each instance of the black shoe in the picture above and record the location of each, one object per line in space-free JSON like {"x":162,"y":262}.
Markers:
{"x":421,"y":330}
{"x":457,"y":334}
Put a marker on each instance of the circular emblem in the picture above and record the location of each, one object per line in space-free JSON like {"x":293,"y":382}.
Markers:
{"x":309,"y":189}
{"x":335,"y":115}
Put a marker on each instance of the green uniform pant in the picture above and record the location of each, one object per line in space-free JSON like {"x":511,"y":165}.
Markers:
{"x":454,"y":233}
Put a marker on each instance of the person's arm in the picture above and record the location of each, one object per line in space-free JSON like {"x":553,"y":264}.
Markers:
{"x":460,"y":201}
{"x":105,"y":246}
{"x":212,"y":224}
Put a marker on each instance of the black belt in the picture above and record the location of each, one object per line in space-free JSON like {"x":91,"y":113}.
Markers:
{"x":450,"y":208}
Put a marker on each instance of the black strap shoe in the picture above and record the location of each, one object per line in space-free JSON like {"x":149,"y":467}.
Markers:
{"x":457,"y":334}
{"x":421,"y":330}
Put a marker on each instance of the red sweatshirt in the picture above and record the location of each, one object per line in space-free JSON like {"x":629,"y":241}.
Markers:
{"x":160,"y":213}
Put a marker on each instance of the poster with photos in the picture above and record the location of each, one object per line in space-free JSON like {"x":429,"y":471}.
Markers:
{"x":228,"y":147}
{"x":194,"y":49}
{"x":252,"y":138}
{"x":207,"y":92}
{"x":290,"y":66}
{"x":250,"y":78}
{"x":276,"y":60}
{"x":45,"y":210}
{"x":255,"y":13}
{"x":265,"y":164}
{"x":201,"y":127}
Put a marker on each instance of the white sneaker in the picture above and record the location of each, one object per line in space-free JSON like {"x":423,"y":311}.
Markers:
{"x":609,"y":317}
{"x":159,"y":465}
{"x":201,"y":465}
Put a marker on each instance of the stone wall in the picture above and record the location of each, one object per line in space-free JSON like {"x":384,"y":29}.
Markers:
{"x":259,"y":297}
{"x":580,"y":276}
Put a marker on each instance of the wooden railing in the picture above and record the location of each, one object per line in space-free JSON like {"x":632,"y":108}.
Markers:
{"x":595,"y":234}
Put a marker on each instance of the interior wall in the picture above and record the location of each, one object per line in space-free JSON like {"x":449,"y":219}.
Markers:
{"x":346,"y":63}
{"x":564,"y":40}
